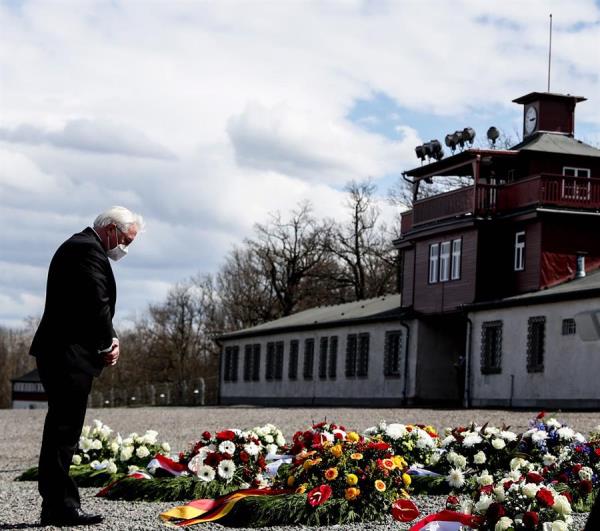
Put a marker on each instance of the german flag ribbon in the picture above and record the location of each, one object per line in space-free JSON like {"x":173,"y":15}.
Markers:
{"x":199,"y":511}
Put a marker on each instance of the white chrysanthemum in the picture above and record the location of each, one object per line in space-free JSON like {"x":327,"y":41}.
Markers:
{"x":460,"y":461}
{"x":252,"y":449}
{"x":97,"y":424}
{"x":517,"y":462}
{"x":499,"y":493}
{"x":514,"y":475}
{"x":548,"y":459}
{"x":85,"y":444}
{"x":530,"y":490}
{"x":471,"y":440}
{"x":559,"y":525}
{"x":371,"y":431}
{"x":96,"y":444}
{"x":553,"y":423}
{"x":85,"y":431}
{"x":481,"y":506}
{"x":114,"y":447}
{"x":498,"y":444}
{"x":128,"y":441}
{"x":579,"y":437}
{"x":205,"y":473}
{"x":479,"y":458}
{"x":485,"y":479}
{"x":585,"y":473}
{"x":142,"y":452}
{"x":491,"y":430}
{"x":280,"y":439}
{"x":566,"y":434}
{"x":165,"y":447}
{"x":132,"y":468}
{"x":395,"y":431}
{"x":448,"y":440}
{"x":272,"y":449}
{"x":133,"y":436}
{"x":150,"y":437}
{"x":451,"y":456}
{"x":539,"y":436}
{"x":76,"y":460}
{"x":227,"y":447}
{"x":126,"y":453}
{"x":195,"y":463}
{"x":503,"y":524}
{"x":562,"y":505}
{"x":508,"y":436}
{"x":269,"y":439}
{"x":226,"y":469}
{"x":456,"y":478}
{"x":112,"y":467}
{"x":435,"y":458}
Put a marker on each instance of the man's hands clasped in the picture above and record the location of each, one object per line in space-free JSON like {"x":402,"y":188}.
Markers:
{"x":111,"y":357}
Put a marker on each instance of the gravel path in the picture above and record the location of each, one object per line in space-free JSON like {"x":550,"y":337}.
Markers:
{"x":20,"y":436}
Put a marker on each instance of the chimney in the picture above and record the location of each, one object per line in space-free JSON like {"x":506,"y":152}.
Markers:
{"x":580,"y":272}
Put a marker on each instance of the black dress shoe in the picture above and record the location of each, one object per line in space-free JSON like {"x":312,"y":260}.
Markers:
{"x":74,"y":516}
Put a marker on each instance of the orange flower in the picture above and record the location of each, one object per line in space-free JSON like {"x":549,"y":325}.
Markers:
{"x":351,"y":493}
{"x":307,"y":464}
{"x":380,"y":485}
{"x":331,"y":474}
{"x":356,"y":456}
{"x":336,"y":450}
{"x":388,"y":464}
{"x":290,"y":481}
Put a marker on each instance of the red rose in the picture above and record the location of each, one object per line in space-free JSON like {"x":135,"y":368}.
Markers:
{"x":338,"y":435}
{"x":226,"y":435}
{"x":244,"y":456}
{"x":206,"y":435}
{"x":342,"y":428}
{"x":531,"y":519}
{"x":597,"y":451}
{"x":316,"y":439}
{"x":577,"y":468}
{"x":579,"y":449}
{"x":545,"y":496}
{"x":487,"y":489}
{"x":297,"y":448}
{"x":307,"y":435}
{"x":568,"y":495}
{"x":378,"y":445}
{"x":541,"y":415}
{"x":534,"y":477}
{"x":333,"y":427}
{"x":318,"y":495}
{"x":495,"y":512}
{"x":261,"y":462}
{"x":404,"y":510}
{"x":319,"y":425}
{"x":585,"y":486}
{"x":452,"y":501}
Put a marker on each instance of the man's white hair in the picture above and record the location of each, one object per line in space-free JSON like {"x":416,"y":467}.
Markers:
{"x":122,"y":217}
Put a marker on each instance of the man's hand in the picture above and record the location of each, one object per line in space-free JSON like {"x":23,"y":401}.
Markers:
{"x":111,"y":357}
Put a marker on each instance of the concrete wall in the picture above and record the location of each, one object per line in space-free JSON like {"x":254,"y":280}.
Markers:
{"x":29,"y":404}
{"x":375,"y":389}
{"x":571,"y":366}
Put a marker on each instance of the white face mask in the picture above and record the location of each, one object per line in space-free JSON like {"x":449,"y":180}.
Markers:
{"x":118,"y":251}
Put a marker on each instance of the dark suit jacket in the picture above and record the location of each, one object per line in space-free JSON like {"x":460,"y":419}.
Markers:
{"x":80,"y":304}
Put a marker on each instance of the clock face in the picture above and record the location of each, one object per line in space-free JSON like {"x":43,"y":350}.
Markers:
{"x":530,"y":120}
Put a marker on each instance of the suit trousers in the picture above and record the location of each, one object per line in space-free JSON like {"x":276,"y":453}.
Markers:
{"x":67,"y":390}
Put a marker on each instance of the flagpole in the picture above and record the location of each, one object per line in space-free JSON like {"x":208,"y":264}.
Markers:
{"x":550,"y":52}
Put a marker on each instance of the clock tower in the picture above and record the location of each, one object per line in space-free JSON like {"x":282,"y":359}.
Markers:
{"x":549,"y":113}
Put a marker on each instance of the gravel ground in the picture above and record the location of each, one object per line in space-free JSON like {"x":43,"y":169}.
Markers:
{"x":20,"y":436}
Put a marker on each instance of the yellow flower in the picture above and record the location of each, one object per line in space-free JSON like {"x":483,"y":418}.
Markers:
{"x":388,"y":464}
{"x":352,"y":479}
{"x":307,"y":464}
{"x":406,"y":479}
{"x":352,"y":493}
{"x":290,"y":481}
{"x":404,"y":494}
{"x":399,"y":461}
{"x":301,"y":489}
{"x":380,"y":485}
{"x":356,"y":456}
{"x":336,"y":450}
{"x":331,"y":474}
{"x":327,"y":444}
{"x":352,"y":436}
{"x":430,"y":430}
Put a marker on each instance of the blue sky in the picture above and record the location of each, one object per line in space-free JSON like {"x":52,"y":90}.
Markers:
{"x":206,"y":116}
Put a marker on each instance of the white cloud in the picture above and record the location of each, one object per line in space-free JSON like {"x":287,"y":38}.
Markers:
{"x":206,"y":116}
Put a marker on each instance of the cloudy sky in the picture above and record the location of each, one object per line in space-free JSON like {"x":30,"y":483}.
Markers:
{"x":205,"y":116}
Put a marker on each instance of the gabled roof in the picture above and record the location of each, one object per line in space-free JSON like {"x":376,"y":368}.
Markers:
{"x":31,"y":376}
{"x":557,"y":143}
{"x":384,"y":308}
{"x":577,"y":288}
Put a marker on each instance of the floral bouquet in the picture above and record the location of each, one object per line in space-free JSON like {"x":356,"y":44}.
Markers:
{"x":353,"y":478}
{"x":474,"y":450}
{"x":522,"y":504}
{"x":416,"y":443}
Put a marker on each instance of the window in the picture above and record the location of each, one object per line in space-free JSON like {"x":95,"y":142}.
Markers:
{"x":568,"y":327}
{"x":362,"y":368}
{"x":247,"y":363}
{"x":309,"y":358}
{"x":231,"y":363}
{"x":520,"y":251}
{"x":351,"y":344}
{"x":444,"y":261}
{"x":256,"y":362}
{"x":392,"y":353}
{"x":491,"y":347}
{"x":434,"y":250}
{"x":456,"y":258}
{"x":324,"y":345}
{"x":293,"y":363}
{"x":577,"y":187}
{"x":536,"y":332}
{"x":333,"y":348}
{"x":279,"y":360}
{"x":270,"y":361}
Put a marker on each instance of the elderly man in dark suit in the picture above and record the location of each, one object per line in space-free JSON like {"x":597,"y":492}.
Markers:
{"x":74,"y":341}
